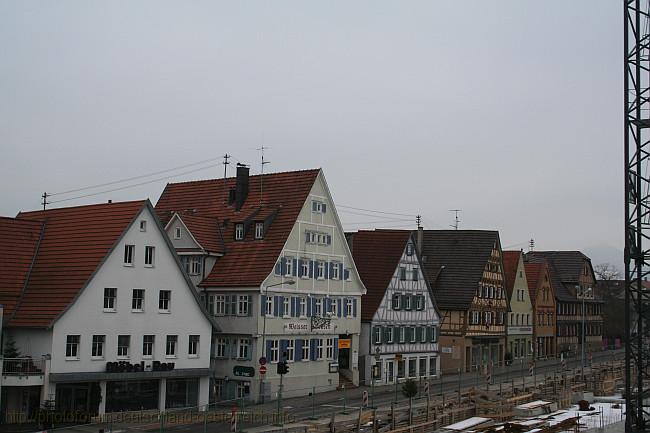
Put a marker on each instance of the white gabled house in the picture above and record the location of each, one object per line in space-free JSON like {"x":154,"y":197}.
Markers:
{"x":280,"y":282}
{"x":400,"y":320}
{"x":101,"y":313}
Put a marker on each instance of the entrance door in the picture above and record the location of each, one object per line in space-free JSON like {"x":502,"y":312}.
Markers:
{"x":390,"y":371}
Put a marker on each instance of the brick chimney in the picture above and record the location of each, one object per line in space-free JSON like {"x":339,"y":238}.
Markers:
{"x":241,"y":187}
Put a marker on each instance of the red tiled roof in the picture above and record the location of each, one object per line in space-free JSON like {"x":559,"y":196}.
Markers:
{"x":75,"y":241}
{"x":534,"y":272}
{"x":510,"y":264}
{"x":206,"y":232}
{"x":20,"y":242}
{"x":376,"y":254}
{"x":248,"y":262}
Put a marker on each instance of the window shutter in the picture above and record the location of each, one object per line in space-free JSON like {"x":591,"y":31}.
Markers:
{"x":294,"y":268}
{"x":312,"y":264}
{"x":309,"y":305}
{"x":268,"y":350}
{"x":344,"y":313}
{"x":435,"y":334}
{"x":338,"y":307}
{"x":312,"y":349}
{"x":346,"y":274}
{"x":278,"y":268}
{"x":328,"y":239}
{"x":300,"y":267}
{"x":293,"y":306}
{"x":263,"y":305}
{"x":250,"y":306}
{"x":283,"y":349}
{"x":430,"y":333}
{"x":328,"y":305}
{"x":384,"y":338}
{"x":330,"y":270}
{"x":354,"y":308}
{"x":314,"y":206}
{"x":336,"y":349}
{"x":234,"y":352}
{"x":276,"y":306}
{"x":283,"y":265}
{"x":233,"y":305}
{"x":297,"y":353}
{"x":323,"y":207}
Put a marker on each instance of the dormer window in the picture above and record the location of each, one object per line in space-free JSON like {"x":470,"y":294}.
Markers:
{"x":239,"y":232}
{"x":177,"y":232}
{"x":409,"y":249}
{"x":259,"y":230}
{"x":143,"y":226}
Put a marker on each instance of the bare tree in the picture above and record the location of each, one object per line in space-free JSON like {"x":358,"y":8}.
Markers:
{"x":606,"y":272}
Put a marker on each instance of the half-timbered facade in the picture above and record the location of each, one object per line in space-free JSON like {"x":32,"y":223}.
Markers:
{"x":399,"y":319}
{"x":574,"y":286}
{"x":465,"y":271}
{"x":283,"y":288}
{"x":544,"y":317}
{"x":520,"y":315}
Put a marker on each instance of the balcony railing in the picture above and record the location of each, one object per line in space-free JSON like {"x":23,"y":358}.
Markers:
{"x":22,"y":367}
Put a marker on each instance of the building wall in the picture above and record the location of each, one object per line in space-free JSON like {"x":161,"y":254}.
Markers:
{"x":545,"y":317}
{"x":303,"y":375}
{"x":520,"y":317}
{"x":392,"y":317}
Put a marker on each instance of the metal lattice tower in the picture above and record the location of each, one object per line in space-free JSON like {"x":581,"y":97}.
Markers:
{"x":637,"y":213}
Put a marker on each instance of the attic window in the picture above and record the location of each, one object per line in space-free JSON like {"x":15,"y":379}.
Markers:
{"x":409,"y":249}
{"x":239,"y":232}
{"x":177,"y":232}
{"x":318,"y":206}
{"x":143,"y":226}
{"x":259,"y":230}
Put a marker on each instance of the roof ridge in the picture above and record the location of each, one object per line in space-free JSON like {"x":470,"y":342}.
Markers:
{"x":22,"y":214}
{"x":221,"y":179}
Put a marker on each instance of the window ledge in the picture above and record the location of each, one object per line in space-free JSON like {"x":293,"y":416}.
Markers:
{"x":97,"y":358}
{"x":72,"y":358}
{"x":164,"y":311}
{"x":149,"y":266}
{"x":109,"y":310}
{"x":170,"y":356}
{"x":137,"y":311}
{"x":193,"y":356}
{"x":128,"y":265}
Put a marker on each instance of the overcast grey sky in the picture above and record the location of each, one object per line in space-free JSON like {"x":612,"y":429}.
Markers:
{"x":509,"y":110}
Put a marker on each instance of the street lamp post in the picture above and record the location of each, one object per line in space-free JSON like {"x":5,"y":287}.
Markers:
{"x":266,"y":293}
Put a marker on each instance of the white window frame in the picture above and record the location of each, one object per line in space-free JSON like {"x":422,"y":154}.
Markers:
{"x":221,"y":345}
{"x":302,"y":305}
{"x":275,"y":351}
{"x":110,"y":306}
{"x":413,"y":336}
{"x":390,"y":331}
{"x":98,"y":346}
{"x":259,"y":230}
{"x":123,"y":351}
{"x":320,"y":270}
{"x":177,"y":232}
{"x":415,"y":274}
{"x":148,"y":344}
{"x":376,"y":335}
{"x":419,"y":302}
{"x":288,"y":266}
{"x":318,"y":308}
{"x":286,"y":306}
{"x":402,"y":334}
{"x":407,"y":302}
{"x":348,"y":307}
{"x":304,"y":267}
{"x":143,"y":225}
{"x":72,"y":342}
{"x":423,"y":336}
{"x":134,"y":307}
{"x":243,"y":302}
{"x":171,"y":346}
{"x":193,"y":346}
{"x":149,"y":256}
{"x":334,"y":309}
{"x":244,"y":349}
{"x":336,"y":271}
{"x":319,"y":348}
{"x":239,"y":232}
{"x":291,"y":350}
{"x":161,"y":302}
{"x":129,"y":253}
{"x":196,"y":265}
{"x":268,"y":311}
{"x":219,"y":305}
{"x":329,"y":348}
{"x":305,"y":349}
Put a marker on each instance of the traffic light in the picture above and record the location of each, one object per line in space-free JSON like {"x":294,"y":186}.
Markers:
{"x":283,"y":367}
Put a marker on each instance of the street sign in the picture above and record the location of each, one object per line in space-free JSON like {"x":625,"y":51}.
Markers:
{"x":243,"y":371}
{"x":262,"y":360}
{"x":263,"y":370}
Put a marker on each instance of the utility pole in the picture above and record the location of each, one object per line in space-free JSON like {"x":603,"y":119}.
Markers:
{"x":418,"y":221}
{"x":44,"y":202}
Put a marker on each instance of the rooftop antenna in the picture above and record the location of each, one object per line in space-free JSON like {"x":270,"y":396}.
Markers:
{"x":44,"y":202}
{"x":262,"y":149}
{"x":456,"y":223}
{"x":531,"y":244}
{"x":225,"y":163}
{"x":418,"y":221}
